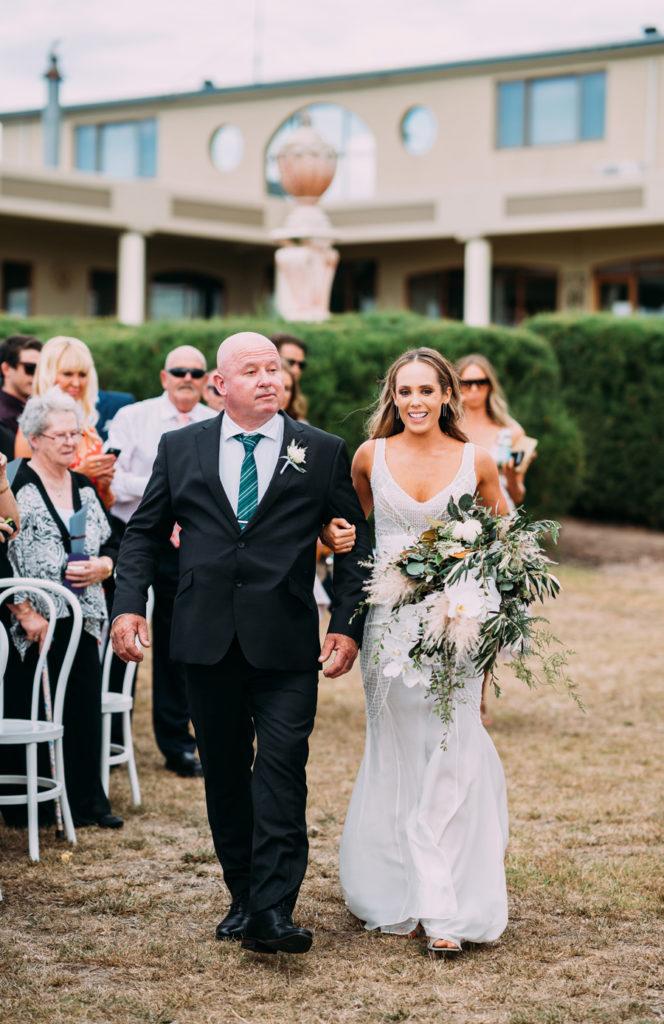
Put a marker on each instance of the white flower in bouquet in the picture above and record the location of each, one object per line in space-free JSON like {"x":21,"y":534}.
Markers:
{"x":436,"y":612}
{"x":468,"y":531}
{"x":464,"y":633}
{"x":397,"y":642}
{"x":471,"y":598}
{"x":389,"y":586}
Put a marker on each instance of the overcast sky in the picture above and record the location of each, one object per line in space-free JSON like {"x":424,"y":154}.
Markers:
{"x":117,"y":48}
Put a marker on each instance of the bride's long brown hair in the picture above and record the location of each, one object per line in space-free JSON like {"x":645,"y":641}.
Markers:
{"x":384,"y":421}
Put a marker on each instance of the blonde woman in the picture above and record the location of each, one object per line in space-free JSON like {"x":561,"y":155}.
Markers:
{"x":487,"y":422}
{"x":424,"y":840}
{"x":66,"y":363}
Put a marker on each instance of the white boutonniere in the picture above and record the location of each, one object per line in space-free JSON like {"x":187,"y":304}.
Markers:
{"x":295,"y":456}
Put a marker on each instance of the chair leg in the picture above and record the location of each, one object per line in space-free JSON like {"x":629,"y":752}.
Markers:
{"x":33,"y":818}
{"x":128,"y":741}
{"x":105,"y":750}
{"x":64,"y":801}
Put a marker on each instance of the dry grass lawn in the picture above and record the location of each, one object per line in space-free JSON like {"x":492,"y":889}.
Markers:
{"x":123,"y":929}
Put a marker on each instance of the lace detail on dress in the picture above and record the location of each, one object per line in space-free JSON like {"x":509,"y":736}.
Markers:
{"x":399,"y":521}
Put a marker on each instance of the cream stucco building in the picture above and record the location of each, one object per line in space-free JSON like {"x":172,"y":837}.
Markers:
{"x":486,"y":189}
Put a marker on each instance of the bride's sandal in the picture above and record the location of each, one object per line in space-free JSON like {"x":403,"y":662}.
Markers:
{"x":443,"y":952}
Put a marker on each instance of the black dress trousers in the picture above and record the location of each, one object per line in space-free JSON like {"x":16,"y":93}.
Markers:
{"x":256,"y":805}
{"x":170,"y":710}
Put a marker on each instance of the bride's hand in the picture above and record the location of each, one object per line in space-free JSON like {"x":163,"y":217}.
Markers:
{"x":339,"y":535}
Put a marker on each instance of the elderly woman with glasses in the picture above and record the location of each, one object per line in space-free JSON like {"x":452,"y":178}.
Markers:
{"x":67,"y":364}
{"x":48,"y":493}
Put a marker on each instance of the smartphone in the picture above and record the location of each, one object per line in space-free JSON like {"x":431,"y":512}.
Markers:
{"x":113,"y":451}
{"x":10,"y":523}
{"x":518,"y":458}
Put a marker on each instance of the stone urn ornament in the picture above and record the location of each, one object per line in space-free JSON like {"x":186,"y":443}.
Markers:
{"x":306,"y":261}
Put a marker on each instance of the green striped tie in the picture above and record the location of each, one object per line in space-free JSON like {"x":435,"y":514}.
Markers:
{"x":247,"y":501}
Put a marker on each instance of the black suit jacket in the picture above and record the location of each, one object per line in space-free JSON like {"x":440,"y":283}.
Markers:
{"x":256,"y":583}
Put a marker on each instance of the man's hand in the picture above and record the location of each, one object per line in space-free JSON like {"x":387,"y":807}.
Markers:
{"x":124,"y":631}
{"x":344,"y":650}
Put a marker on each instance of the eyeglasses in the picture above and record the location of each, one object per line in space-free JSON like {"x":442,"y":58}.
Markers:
{"x":65,"y":436}
{"x":195,"y":372}
{"x":302,"y":363}
{"x":29,"y":368}
{"x":475,"y":382}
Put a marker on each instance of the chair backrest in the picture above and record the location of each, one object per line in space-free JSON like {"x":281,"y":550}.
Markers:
{"x":4,"y":657}
{"x":45,"y":589}
{"x":131,"y":666}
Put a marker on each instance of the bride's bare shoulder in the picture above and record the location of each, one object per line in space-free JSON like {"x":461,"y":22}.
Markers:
{"x":364,"y":456}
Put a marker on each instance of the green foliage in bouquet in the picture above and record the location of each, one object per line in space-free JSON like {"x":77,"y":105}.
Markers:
{"x":462,"y":594}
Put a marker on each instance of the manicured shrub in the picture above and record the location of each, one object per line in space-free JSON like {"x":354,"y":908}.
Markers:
{"x":348,"y":355}
{"x":613,"y":384}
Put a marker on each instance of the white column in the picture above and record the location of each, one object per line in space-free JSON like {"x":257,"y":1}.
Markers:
{"x":131,"y":278}
{"x":477,"y":282}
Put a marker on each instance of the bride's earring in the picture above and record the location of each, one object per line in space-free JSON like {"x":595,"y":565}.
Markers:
{"x":396,"y":412}
{"x":443,"y":411}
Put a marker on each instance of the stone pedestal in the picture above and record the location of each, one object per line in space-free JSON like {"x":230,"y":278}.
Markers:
{"x":304,"y":277}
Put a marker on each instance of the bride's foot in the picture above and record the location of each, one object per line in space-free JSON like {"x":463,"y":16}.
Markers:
{"x":443,"y":948}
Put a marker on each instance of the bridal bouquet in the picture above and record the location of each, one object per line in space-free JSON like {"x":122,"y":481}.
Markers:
{"x":461,"y":595}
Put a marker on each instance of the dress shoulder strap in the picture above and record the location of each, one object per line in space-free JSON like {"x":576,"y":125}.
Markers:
{"x":468,"y":458}
{"x":378,"y":467}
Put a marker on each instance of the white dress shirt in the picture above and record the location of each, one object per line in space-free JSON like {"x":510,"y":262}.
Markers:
{"x":136,"y":429}
{"x":266,"y":454}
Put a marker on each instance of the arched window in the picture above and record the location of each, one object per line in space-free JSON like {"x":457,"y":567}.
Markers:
{"x":183,"y":295}
{"x":352,"y":139}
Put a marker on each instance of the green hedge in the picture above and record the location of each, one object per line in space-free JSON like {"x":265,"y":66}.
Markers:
{"x":613,"y":384}
{"x":348,"y":356}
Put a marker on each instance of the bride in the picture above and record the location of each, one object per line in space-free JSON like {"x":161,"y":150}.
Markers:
{"x":424,"y":840}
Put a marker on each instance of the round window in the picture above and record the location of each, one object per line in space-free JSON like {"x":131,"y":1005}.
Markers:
{"x":227,"y":147}
{"x":418,"y":130}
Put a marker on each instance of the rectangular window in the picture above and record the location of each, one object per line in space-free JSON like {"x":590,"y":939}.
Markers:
{"x":16,"y":288}
{"x":121,"y":149}
{"x":521,"y":292}
{"x":102,"y":294}
{"x":354,"y":287}
{"x":546,"y":111}
{"x":437,"y":294}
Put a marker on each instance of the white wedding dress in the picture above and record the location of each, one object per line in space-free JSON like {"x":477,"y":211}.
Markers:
{"x":426,"y":831}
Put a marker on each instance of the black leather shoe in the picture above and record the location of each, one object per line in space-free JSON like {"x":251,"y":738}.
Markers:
{"x":231,"y":929}
{"x":110,"y":821}
{"x":273,"y":931}
{"x":186,"y":765}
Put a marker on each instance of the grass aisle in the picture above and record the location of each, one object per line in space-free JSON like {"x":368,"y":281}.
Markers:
{"x":123,"y":929}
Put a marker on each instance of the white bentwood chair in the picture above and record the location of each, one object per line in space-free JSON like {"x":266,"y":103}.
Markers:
{"x":29,"y":732}
{"x":115,"y":704}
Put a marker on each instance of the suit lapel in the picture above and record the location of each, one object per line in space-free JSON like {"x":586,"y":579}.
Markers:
{"x":280,"y":480}
{"x":208,"y":442}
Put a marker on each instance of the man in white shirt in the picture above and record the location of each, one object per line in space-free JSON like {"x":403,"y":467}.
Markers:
{"x":136,"y":430}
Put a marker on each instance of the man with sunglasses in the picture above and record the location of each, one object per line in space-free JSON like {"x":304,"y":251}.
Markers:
{"x":136,"y":431}
{"x":19,"y":356}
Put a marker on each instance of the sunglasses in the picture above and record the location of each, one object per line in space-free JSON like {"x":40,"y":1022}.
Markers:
{"x":181,"y":372}
{"x":302,"y":363}
{"x":475,"y":382}
{"x":28,"y":368}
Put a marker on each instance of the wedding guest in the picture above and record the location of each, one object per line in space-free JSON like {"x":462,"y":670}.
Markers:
{"x":212,"y":398}
{"x":136,"y":430}
{"x":67,"y":364}
{"x":487,"y":422}
{"x":48,"y":493}
{"x":19,"y":356}
{"x":294,"y":402}
{"x":108,"y":403}
{"x":294,"y":352}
